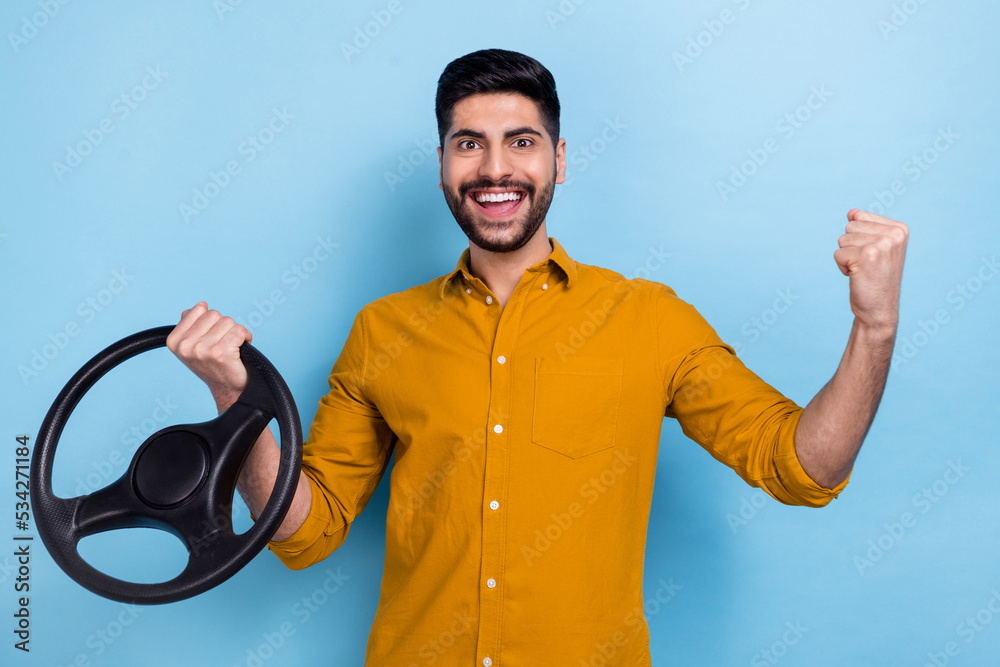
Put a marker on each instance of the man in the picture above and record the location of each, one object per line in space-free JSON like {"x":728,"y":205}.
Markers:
{"x":523,"y":394}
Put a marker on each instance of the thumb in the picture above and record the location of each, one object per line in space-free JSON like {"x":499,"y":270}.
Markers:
{"x":843,"y":258}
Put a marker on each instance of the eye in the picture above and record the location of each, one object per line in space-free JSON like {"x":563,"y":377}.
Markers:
{"x":523,"y":142}
{"x":466,"y":144}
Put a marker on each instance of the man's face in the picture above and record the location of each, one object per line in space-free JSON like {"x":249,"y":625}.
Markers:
{"x":498,"y":149}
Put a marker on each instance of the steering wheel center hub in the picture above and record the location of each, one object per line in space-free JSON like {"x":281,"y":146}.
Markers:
{"x":170,"y":468}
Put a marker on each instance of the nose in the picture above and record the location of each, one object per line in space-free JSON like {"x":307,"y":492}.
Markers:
{"x":496,"y":165}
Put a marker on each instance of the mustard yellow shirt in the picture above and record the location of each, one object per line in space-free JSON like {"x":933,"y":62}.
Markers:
{"x":525,"y":441}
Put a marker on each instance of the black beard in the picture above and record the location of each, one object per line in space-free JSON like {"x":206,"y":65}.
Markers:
{"x":461,"y":204}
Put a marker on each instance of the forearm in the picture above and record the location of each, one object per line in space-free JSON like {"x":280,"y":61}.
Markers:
{"x":259,"y":472}
{"x":836,"y":421}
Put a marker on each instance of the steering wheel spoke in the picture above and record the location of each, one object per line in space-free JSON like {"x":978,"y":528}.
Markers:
{"x":111,"y":508}
{"x":232,"y":435}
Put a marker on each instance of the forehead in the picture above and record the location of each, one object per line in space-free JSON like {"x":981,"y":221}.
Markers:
{"x":495,"y":112}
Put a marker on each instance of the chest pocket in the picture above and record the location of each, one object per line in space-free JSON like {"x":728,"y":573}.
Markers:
{"x":576,"y":404}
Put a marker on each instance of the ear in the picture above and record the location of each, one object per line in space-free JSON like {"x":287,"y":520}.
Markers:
{"x":561,"y":161}
{"x":440,"y":169}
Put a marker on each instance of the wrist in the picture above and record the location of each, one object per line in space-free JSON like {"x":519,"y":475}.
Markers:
{"x":875,"y":332}
{"x":224,"y":397}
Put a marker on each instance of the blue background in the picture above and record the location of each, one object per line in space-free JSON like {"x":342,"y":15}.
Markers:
{"x":352,"y":165}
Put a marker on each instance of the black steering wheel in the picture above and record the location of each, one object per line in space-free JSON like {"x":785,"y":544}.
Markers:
{"x":181,"y":479}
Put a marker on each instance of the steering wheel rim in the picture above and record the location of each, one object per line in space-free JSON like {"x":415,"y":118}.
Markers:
{"x":190,"y":496}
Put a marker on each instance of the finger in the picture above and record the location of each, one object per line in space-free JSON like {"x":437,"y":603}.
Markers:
{"x":199,"y":327}
{"x":239,"y":335}
{"x":886,"y":235}
{"x":200,"y":303}
{"x":188,"y":317}
{"x":866,"y":216}
{"x":858,"y":239}
{"x":219,"y":340}
{"x":227,"y":330}
{"x":845,"y":258}
{"x":866,"y":227}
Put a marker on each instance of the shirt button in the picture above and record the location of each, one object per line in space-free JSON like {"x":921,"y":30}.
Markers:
{"x":468,"y":290}
{"x":487,"y":662}
{"x":545,"y":285}
{"x":489,"y":299}
{"x":491,"y":583}
{"x":498,"y":428}
{"x":501,"y":359}
{"x":494,"y":505}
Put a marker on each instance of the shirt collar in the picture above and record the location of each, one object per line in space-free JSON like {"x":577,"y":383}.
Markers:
{"x":558,"y":257}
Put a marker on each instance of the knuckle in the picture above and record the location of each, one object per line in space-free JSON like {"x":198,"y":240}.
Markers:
{"x":185,"y":347}
{"x":871,"y":253}
{"x":201,"y":350}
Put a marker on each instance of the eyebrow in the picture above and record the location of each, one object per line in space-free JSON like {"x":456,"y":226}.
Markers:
{"x":476,"y":134}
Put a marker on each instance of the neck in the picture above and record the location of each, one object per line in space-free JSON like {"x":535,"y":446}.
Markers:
{"x":502,"y":271}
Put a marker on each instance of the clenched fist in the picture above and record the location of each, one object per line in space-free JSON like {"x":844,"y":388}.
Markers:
{"x":209,"y":344}
{"x":871,"y":254}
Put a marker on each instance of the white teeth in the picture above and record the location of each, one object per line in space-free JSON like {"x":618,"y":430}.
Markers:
{"x":493,"y":196}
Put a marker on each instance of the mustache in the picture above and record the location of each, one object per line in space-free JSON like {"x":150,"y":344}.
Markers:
{"x":485,"y":184}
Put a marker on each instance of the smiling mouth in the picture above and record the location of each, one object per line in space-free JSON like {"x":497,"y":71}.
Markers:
{"x":497,"y":203}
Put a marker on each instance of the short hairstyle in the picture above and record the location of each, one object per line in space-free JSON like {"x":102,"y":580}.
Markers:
{"x":497,"y":71}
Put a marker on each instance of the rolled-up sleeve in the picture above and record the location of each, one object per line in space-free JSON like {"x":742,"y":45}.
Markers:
{"x":722,"y":405}
{"x":344,"y":457}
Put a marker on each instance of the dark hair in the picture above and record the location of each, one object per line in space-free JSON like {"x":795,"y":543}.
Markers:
{"x":497,"y":71}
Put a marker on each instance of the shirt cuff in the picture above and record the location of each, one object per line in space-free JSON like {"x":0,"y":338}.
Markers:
{"x":793,"y":478}
{"x":297,"y":551}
